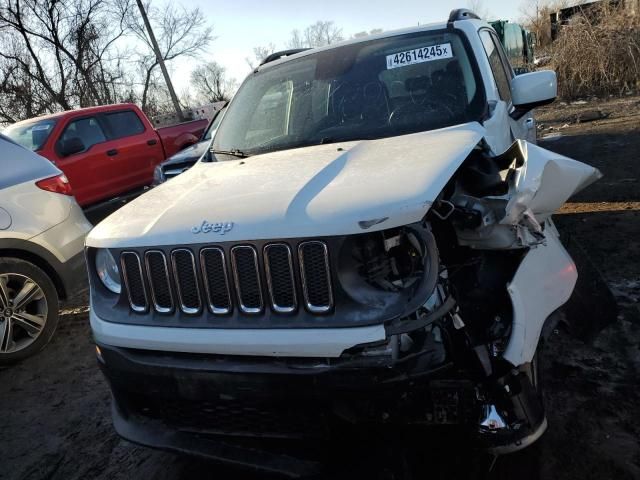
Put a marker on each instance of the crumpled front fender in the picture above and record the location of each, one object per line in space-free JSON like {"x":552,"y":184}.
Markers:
{"x":543,"y":283}
{"x":545,"y":182}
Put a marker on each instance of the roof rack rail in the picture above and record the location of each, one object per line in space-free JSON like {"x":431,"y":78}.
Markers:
{"x":461,"y":14}
{"x":283,"y":53}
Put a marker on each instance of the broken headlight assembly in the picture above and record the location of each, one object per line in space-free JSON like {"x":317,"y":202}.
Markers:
{"x":397,"y":271}
{"x":391,"y":268}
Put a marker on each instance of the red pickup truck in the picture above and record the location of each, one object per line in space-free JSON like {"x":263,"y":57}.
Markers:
{"x":104,"y":151}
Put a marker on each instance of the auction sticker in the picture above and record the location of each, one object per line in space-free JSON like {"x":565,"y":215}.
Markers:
{"x":419,"y":55}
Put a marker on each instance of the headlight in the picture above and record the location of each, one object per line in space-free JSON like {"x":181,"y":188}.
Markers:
{"x":390,"y":266}
{"x":158,"y":175}
{"x":108,"y":270}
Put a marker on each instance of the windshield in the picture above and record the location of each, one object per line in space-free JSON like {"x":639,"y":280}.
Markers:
{"x":375,"y":89}
{"x":31,"y":135}
{"x":213,"y":126}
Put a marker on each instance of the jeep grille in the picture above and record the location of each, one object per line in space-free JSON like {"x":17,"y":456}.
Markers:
{"x":218,"y":279}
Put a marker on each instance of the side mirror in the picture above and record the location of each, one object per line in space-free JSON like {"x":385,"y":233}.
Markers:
{"x":531,"y":90}
{"x":70,"y":146}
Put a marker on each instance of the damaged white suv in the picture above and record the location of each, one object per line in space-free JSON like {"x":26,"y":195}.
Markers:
{"x":368,"y":242}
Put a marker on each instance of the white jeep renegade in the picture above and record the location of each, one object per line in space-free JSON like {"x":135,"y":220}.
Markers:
{"x":368,"y":242}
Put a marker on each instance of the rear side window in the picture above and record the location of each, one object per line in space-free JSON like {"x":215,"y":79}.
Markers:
{"x":86,"y":129}
{"x":500,"y":74}
{"x":514,"y":45}
{"x":123,"y":124}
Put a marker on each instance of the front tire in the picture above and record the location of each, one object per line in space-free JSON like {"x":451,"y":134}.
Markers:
{"x":28,"y":309}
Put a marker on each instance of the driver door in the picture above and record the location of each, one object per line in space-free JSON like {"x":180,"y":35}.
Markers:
{"x":88,"y":171}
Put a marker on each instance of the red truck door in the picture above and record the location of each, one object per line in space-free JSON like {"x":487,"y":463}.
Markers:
{"x":107,"y":154}
{"x":83,"y":152}
{"x":138,"y":148}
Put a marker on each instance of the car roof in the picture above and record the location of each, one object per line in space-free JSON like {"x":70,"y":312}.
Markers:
{"x":354,"y":41}
{"x":19,"y":165}
{"x":81,"y":111}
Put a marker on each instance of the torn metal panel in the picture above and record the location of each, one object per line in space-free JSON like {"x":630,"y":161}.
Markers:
{"x":538,"y":183}
{"x":545,"y":182}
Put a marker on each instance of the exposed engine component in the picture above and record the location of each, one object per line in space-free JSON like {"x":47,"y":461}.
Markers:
{"x":396,"y":265}
{"x":486,"y":204}
{"x":391,"y":260}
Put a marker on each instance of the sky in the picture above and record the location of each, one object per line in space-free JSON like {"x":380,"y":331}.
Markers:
{"x":240,"y":25}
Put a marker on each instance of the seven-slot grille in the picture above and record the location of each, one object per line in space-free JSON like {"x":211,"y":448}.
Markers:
{"x":220,"y":280}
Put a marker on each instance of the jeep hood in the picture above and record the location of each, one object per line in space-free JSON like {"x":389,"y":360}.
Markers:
{"x":324,"y":190}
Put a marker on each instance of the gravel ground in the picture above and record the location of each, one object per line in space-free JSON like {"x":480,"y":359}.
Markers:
{"x":55,"y":422}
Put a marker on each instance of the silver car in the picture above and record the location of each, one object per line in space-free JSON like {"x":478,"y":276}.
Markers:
{"x":42,"y":232}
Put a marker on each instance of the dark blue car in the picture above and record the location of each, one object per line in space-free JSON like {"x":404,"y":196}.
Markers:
{"x":185,"y":159}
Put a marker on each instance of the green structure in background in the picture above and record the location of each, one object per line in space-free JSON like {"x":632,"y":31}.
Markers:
{"x":518,"y":43}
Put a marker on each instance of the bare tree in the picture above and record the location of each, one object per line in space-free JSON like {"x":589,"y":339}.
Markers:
{"x":56,"y":54}
{"x":364,"y":33}
{"x":210,"y":83}
{"x":20,"y":95}
{"x":319,"y":34}
{"x":259,"y":54}
{"x":479,"y":8}
{"x":180,"y":32}
{"x":536,"y":17}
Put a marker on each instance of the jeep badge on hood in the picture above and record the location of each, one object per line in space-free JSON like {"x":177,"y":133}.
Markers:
{"x":206,"y":227}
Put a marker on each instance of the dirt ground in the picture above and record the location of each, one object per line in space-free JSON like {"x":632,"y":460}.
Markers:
{"x":54,"y":408}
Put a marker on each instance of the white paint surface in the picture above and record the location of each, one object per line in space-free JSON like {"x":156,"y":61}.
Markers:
{"x":300,"y":342}
{"x":314,"y":191}
{"x":5,"y":219}
{"x":543,"y":283}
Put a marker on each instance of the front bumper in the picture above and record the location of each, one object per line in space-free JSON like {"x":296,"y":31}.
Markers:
{"x":308,"y":342}
{"x":286,"y":398}
{"x":219,"y":406}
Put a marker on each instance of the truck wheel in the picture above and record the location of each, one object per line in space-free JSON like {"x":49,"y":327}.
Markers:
{"x":28,"y":309}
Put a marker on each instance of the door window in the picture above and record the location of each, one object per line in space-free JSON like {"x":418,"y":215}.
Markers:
{"x":123,"y":124}
{"x":501,"y":74}
{"x":86,"y":129}
{"x":214,"y":125}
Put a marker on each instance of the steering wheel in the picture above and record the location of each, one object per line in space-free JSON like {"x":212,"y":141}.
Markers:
{"x":413,"y":110}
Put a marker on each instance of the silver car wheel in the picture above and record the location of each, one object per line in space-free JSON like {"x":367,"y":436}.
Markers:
{"x":23,"y":312}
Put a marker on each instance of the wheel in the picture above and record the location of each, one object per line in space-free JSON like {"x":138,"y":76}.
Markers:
{"x":28,"y":309}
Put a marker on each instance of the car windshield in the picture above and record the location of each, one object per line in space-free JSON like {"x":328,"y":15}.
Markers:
{"x":213,"y":126}
{"x":31,"y":135}
{"x":374,"y":89}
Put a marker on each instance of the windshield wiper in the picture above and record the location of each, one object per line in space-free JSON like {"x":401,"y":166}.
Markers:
{"x":234,"y":153}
